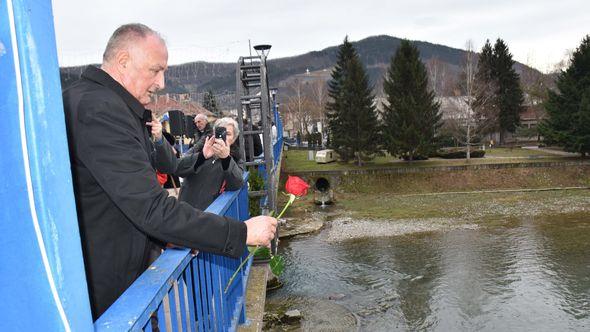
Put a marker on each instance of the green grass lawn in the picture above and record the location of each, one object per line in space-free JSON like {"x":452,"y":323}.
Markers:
{"x":296,"y":160}
{"x":475,"y":205}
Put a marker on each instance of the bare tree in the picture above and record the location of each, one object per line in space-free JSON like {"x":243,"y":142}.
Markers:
{"x":319,"y":94}
{"x":299,"y":105}
{"x":433,"y":66}
{"x":440,"y":79}
{"x":536,"y":87}
{"x":469,"y":70}
{"x":563,"y":63}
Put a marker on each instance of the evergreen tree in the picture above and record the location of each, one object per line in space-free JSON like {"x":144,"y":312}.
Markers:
{"x":364,"y":139}
{"x":352,"y":119}
{"x":568,"y":109}
{"x":210,"y":104}
{"x":509,"y":93}
{"x":485,"y":91}
{"x":335,"y":112}
{"x":411,"y":116}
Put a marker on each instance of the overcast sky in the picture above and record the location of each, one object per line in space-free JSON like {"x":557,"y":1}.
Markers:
{"x":538,"y":32}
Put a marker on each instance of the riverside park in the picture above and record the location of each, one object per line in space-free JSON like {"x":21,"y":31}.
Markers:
{"x":496,"y":243}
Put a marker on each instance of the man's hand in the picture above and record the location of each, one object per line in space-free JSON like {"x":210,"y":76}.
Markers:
{"x":261,"y":230}
{"x":220,"y":149}
{"x":208,"y":147}
{"x":156,"y":129}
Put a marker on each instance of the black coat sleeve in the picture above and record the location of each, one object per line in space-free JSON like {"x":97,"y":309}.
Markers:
{"x":189,"y":163}
{"x":119,"y":163}
{"x":165,"y":159}
{"x":234,"y":175}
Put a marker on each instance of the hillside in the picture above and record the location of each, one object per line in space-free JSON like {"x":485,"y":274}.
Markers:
{"x":375,"y":53}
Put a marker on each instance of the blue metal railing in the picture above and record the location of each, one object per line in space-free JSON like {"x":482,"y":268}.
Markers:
{"x":277,"y":152}
{"x":185,"y":292}
{"x":49,"y":292}
{"x":278,"y":145}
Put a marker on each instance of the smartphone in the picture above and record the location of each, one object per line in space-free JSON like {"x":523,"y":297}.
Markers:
{"x":221,"y":132}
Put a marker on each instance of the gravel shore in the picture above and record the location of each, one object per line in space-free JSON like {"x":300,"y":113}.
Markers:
{"x":470,"y":216}
{"x":348,"y":228}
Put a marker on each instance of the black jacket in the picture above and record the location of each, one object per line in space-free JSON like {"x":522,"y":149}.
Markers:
{"x":200,"y":137}
{"x":202,"y":184}
{"x":256,"y":143}
{"x":120,"y":204}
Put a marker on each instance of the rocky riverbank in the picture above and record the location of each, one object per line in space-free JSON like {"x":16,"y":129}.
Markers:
{"x":348,"y":228}
{"x":366,"y":216}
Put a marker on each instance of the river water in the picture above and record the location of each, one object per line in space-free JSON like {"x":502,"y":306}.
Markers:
{"x":518,"y":274}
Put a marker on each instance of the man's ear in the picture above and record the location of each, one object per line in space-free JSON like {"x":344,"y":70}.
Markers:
{"x":122,"y":59}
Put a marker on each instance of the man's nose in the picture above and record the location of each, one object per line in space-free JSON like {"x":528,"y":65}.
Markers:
{"x":160,"y":80}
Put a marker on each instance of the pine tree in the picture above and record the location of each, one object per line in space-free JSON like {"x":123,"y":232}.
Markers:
{"x":485,"y":91}
{"x":568,"y":109}
{"x":335,"y":111}
{"x":411,"y":116}
{"x":364,"y":130}
{"x":352,"y":119}
{"x":509,"y":94}
{"x":210,"y":103}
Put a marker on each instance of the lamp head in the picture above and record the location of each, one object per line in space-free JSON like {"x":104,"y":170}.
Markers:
{"x":262,"y":49}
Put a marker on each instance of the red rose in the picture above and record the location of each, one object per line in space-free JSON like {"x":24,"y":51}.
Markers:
{"x":296,"y":186}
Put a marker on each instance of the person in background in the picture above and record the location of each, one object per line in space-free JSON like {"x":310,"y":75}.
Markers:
{"x":202,"y":131}
{"x":121,"y":206}
{"x":219,"y":173}
{"x":256,"y":142}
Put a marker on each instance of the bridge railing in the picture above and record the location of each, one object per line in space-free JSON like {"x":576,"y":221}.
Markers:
{"x":182,"y":291}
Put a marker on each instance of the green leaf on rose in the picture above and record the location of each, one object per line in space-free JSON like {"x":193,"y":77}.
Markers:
{"x":277,"y":265}
{"x":262,"y":252}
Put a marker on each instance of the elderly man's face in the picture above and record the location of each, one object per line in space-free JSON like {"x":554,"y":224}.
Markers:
{"x":200,"y":123}
{"x":144,"y":71}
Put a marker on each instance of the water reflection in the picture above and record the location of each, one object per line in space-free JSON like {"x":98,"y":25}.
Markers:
{"x":478,"y":269}
{"x":566,"y":262}
{"x":511,"y":274}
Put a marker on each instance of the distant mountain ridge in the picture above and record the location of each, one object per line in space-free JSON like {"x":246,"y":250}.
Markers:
{"x":375,"y":53}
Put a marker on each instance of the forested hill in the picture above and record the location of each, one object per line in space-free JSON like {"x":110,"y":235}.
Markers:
{"x":375,"y":53}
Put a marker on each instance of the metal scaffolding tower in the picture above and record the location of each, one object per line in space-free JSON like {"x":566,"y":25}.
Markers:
{"x":253,"y":103}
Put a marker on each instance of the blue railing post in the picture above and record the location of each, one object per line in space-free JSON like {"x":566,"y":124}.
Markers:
{"x":42,"y":278}
{"x":206,"y":276}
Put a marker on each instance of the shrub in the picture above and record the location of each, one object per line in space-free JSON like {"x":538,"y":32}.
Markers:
{"x":255,"y":183}
{"x":459,"y":153}
{"x":416,"y":157}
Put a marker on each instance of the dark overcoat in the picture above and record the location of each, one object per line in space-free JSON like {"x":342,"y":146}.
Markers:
{"x":121,"y":207}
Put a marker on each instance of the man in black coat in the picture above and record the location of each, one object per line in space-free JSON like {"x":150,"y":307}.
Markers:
{"x":256,"y":142}
{"x":202,"y":131}
{"x":120,"y":204}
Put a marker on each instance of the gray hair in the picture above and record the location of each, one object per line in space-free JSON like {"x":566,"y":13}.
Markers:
{"x":124,"y":36}
{"x":201,"y":116}
{"x":224,"y":122}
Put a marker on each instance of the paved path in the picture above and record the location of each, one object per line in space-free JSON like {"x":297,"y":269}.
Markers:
{"x":255,"y":299}
{"x":551,"y":151}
